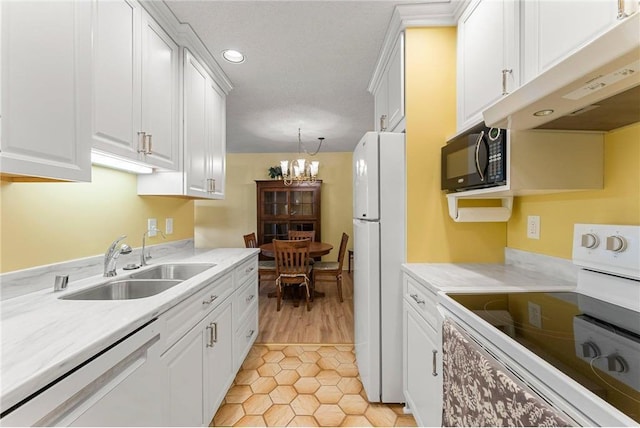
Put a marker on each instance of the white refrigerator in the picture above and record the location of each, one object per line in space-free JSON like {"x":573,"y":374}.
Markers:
{"x":379,"y":187}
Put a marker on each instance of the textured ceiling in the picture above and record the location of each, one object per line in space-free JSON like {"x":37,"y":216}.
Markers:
{"x":308,"y":66}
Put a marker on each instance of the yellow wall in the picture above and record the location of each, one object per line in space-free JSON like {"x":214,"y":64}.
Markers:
{"x":43,"y":223}
{"x":432,"y":236}
{"x":617,"y":203}
{"x":222,"y":223}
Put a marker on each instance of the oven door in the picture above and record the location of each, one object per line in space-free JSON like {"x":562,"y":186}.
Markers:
{"x":556,"y":388}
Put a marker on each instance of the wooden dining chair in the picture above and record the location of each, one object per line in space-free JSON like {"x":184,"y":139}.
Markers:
{"x":292,"y":267}
{"x":302,"y":234}
{"x":266,"y":268}
{"x":333,"y":270}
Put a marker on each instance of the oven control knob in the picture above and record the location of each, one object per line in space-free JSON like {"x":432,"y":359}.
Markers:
{"x":616,"y":243}
{"x":590,"y":350}
{"x":590,"y":240}
{"x":615,"y":363}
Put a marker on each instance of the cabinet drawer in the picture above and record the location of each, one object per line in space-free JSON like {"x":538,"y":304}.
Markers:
{"x":245,"y":336}
{"x":243,"y":300}
{"x":422,"y":300}
{"x":188,"y":313}
{"x":245,"y":270}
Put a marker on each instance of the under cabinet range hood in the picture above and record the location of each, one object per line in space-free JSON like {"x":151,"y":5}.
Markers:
{"x":597,"y":88}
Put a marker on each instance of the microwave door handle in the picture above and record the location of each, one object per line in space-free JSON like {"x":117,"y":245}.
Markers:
{"x":478,"y":142}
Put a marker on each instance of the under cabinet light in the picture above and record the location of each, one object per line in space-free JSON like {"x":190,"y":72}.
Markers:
{"x":110,"y":161}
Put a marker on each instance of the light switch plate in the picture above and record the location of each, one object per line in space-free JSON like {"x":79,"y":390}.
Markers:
{"x":168,"y":226}
{"x":152,"y":225}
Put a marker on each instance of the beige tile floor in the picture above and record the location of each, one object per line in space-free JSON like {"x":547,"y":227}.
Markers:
{"x":303,"y":385}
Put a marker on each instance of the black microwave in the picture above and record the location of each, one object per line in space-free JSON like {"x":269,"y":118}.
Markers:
{"x":475,"y":160}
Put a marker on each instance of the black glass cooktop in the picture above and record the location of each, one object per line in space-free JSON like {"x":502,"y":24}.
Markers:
{"x":594,"y":342}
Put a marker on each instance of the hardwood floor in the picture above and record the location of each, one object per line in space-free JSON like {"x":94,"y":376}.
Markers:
{"x":328,"y":322}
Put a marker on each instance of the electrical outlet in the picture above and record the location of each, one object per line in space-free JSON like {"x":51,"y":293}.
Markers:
{"x":168,"y":226}
{"x":533,"y":227}
{"x":535,"y":314}
{"x":152,"y":226}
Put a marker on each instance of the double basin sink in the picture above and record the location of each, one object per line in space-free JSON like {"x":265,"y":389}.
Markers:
{"x":142,"y":284}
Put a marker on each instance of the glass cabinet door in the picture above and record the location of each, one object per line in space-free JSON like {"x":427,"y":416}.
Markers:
{"x":274,"y":203}
{"x":303,"y":203}
{"x":274,"y":230}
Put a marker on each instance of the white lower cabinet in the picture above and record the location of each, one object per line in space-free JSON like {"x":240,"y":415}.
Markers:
{"x":175,"y":371}
{"x":422,"y":354}
{"x":118,"y":387}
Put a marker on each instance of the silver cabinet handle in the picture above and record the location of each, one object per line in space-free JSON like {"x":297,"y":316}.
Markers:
{"x":250,"y":298}
{"x":382,"y":119}
{"x":434,"y":371}
{"x":478,"y":141}
{"x":249,"y":269}
{"x":250,"y":333}
{"x":211,"y":185}
{"x":211,"y":299}
{"x":504,"y":80}
{"x":147,"y":145}
{"x":213,"y":333}
{"x":417,"y":299}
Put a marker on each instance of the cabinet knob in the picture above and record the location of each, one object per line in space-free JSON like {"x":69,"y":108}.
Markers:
{"x":250,"y":334}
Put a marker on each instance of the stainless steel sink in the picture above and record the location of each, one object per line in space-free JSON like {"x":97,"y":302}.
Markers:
{"x":124,"y":289}
{"x":173,"y":271}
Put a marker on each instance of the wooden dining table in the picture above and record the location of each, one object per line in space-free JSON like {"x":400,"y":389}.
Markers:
{"x":316,"y":249}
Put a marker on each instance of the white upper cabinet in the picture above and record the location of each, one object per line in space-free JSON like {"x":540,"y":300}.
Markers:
{"x":203,"y":139}
{"x":204,"y":131}
{"x":553,"y":29}
{"x":46,"y":90}
{"x":488,"y":57}
{"x":135,"y":85}
{"x":389,"y":93}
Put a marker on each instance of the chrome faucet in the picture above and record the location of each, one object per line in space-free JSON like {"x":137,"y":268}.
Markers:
{"x":112,"y":254}
{"x":144,"y":257}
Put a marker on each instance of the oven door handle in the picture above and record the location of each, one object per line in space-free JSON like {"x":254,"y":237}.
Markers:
{"x":478,"y":142}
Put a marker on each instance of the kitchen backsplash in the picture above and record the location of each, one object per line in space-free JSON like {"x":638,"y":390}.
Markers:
{"x":18,"y":283}
{"x":554,"y":266}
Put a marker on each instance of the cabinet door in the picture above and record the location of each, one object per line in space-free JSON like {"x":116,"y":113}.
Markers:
{"x":395,"y":78}
{"x":183,"y":364}
{"x":554,"y":29}
{"x":218,"y":359}
{"x":196,"y":144}
{"x":46,"y":81}
{"x":217,"y":138}
{"x":116,"y":80}
{"x":487,"y":45}
{"x":422,"y":369}
{"x":381,"y":105}
{"x":160,"y":94}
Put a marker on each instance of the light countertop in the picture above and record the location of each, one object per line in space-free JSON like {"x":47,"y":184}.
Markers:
{"x":483,"y":277}
{"x":44,"y":337}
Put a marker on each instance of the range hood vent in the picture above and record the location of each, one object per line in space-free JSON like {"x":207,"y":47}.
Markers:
{"x":597,"y":88}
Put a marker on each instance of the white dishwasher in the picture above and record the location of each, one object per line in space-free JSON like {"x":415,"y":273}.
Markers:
{"x":117,"y":387}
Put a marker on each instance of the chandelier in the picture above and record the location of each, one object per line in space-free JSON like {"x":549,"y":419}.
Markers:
{"x":300,"y":169}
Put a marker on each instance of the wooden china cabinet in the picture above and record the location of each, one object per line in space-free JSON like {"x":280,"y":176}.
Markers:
{"x":282,"y":208}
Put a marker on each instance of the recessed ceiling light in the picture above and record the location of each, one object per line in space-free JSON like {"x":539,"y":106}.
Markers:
{"x":233,"y":56}
{"x":545,"y":112}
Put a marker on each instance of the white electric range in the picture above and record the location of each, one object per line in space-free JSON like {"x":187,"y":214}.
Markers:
{"x":579,"y":350}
